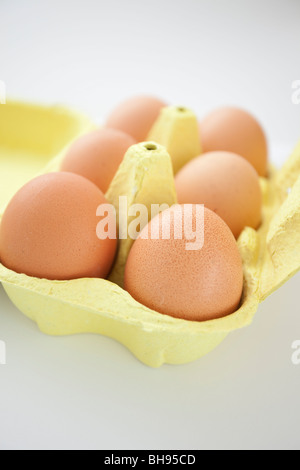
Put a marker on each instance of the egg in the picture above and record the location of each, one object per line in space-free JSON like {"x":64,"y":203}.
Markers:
{"x":235,"y":130}
{"x":48,"y":229}
{"x":136,"y":116}
{"x":166,"y":275}
{"x":225,"y":183}
{"x":97,"y":155}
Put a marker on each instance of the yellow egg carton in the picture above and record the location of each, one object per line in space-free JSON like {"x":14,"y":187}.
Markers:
{"x":31,"y":136}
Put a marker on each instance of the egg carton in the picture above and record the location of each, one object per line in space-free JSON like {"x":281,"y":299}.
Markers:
{"x":31,"y":135}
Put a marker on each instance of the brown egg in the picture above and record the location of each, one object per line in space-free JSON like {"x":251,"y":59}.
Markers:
{"x":48,"y":230}
{"x":199,"y":284}
{"x":225,"y":183}
{"x":235,"y":130}
{"x":97,"y":155}
{"x":136,"y":116}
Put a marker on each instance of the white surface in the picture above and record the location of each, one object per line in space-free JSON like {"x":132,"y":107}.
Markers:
{"x":88,"y":391}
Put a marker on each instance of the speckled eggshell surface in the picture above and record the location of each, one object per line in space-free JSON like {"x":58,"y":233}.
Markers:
{"x":48,"y":229}
{"x":136,"y":116}
{"x":225,"y":183}
{"x":236,"y":130}
{"x":98,"y":155}
{"x":190,"y":284}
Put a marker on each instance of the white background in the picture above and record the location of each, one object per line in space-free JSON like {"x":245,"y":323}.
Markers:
{"x":87,"y":391}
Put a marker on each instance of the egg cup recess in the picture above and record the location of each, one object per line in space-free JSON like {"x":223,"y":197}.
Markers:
{"x":270,"y":255}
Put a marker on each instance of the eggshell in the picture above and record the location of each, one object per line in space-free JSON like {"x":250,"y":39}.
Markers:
{"x":48,"y":230}
{"x":235,"y":130}
{"x":97,"y":155}
{"x":225,"y":183}
{"x":200,"y":284}
{"x":136,"y":116}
